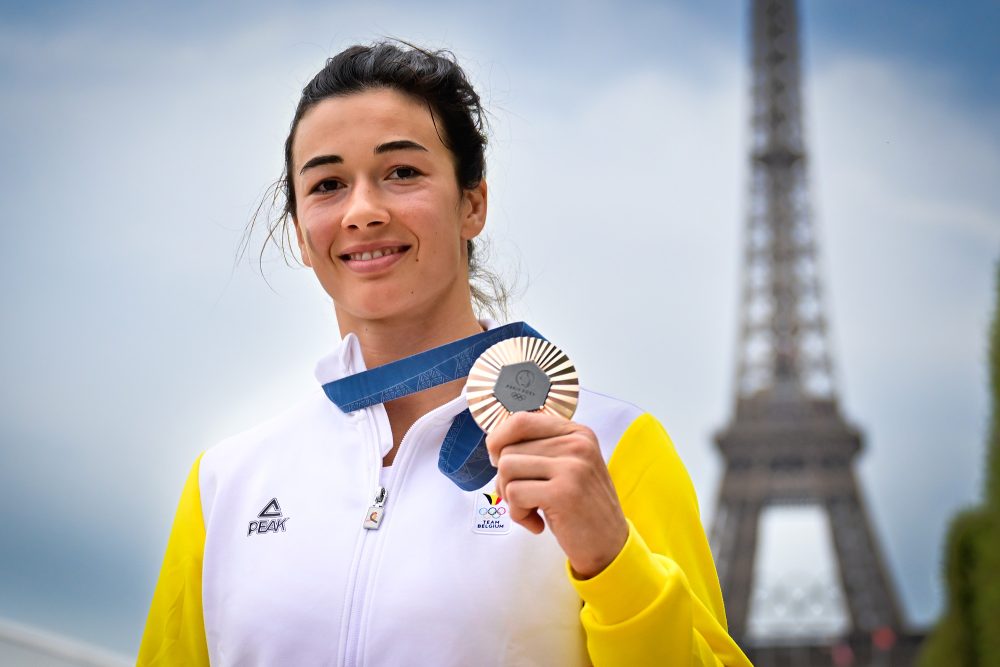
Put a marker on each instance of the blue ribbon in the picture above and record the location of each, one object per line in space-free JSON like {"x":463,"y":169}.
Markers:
{"x":463,"y":458}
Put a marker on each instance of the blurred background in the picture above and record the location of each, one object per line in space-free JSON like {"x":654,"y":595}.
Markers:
{"x":138,"y":139}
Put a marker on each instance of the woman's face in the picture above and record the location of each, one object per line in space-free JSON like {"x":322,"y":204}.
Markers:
{"x":380,"y":217}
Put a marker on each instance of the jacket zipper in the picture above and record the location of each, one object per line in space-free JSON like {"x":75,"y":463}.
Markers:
{"x":371,"y":536}
{"x":374,"y":517}
{"x":359,"y":571}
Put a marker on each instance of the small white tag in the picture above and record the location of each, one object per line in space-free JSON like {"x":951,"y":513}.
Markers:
{"x":374,"y":517}
{"x":492,"y":516}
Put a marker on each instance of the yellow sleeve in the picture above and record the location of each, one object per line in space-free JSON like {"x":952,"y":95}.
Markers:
{"x":659,"y":601}
{"x":175,"y":628}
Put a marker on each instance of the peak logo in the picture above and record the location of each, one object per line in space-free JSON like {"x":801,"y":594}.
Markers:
{"x":269,"y":520}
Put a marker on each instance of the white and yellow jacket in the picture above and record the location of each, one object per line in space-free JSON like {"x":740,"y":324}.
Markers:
{"x":268,"y":562}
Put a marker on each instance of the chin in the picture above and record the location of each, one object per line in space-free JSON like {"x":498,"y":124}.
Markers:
{"x":387,"y":304}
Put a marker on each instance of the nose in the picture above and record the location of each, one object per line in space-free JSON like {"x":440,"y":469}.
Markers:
{"x":365,"y":208}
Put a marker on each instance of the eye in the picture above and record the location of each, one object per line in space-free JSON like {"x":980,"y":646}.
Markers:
{"x":327,"y":185}
{"x":403,"y":173}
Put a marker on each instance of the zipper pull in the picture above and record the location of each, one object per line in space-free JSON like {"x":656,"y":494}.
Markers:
{"x":374,"y":516}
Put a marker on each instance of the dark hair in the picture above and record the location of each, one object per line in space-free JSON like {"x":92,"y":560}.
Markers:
{"x":433,"y":77}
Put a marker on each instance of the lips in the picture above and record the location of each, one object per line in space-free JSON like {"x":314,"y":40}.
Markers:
{"x":373,"y":258}
{"x":368,"y":255}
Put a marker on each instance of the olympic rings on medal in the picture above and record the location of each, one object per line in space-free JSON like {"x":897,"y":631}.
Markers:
{"x":492,"y":511}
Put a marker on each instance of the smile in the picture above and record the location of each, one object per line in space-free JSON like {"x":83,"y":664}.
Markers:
{"x":369,"y":255}
{"x":373,"y":261}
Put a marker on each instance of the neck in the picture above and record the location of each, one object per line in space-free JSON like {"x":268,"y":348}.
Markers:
{"x":386,"y":340}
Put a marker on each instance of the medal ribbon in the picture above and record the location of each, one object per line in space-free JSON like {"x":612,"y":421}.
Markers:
{"x":463,"y":458}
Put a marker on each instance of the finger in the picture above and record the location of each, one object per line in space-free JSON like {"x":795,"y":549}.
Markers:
{"x":522,"y":510}
{"x":549,"y":447}
{"x":531,"y":520}
{"x":513,"y":467}
{"x":527,"y":493}
{"x":522,"y":426}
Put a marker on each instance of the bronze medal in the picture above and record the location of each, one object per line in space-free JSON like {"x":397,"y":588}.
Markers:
{"x":523,"y":374}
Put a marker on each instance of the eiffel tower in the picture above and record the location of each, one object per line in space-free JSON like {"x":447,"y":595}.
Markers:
{"x":788,"y":442}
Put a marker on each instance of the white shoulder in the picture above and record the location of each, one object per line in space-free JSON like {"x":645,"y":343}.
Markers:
{"x":256,"y":447}
{"x":608,"y":417}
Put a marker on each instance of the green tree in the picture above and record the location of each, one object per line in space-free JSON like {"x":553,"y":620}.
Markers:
{"x":968,"y":632}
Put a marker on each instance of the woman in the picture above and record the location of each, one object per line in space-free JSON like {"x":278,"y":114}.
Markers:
{"x":330,"y":537}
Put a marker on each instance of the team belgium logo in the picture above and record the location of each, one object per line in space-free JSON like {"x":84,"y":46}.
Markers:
{"x":491,"y":515}
{"x":269,"y":520}
{"x":494,"y":509}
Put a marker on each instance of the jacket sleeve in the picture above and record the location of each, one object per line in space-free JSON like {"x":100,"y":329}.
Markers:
{"x":175,"y":628}
{"x":659,"y":601}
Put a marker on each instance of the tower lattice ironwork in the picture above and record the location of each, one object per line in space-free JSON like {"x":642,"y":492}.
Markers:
{"x":787,"y":441}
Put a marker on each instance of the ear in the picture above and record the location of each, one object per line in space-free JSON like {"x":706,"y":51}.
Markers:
{"x":473,"y":211}
{"x":300,"y":236}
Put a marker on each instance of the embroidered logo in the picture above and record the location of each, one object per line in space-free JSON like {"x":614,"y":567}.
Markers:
{"x":269,"y":520}
{"x":491,"y":515}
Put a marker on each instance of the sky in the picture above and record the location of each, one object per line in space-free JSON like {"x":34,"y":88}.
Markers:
{"x":138,"y":140}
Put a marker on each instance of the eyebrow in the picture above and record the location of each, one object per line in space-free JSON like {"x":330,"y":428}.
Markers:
{"x":319,"y":161}
{"x":400,"y":145}
{"x":387,"y":147}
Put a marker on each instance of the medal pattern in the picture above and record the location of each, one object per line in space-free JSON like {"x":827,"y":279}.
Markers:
{"x":481,"y":385}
